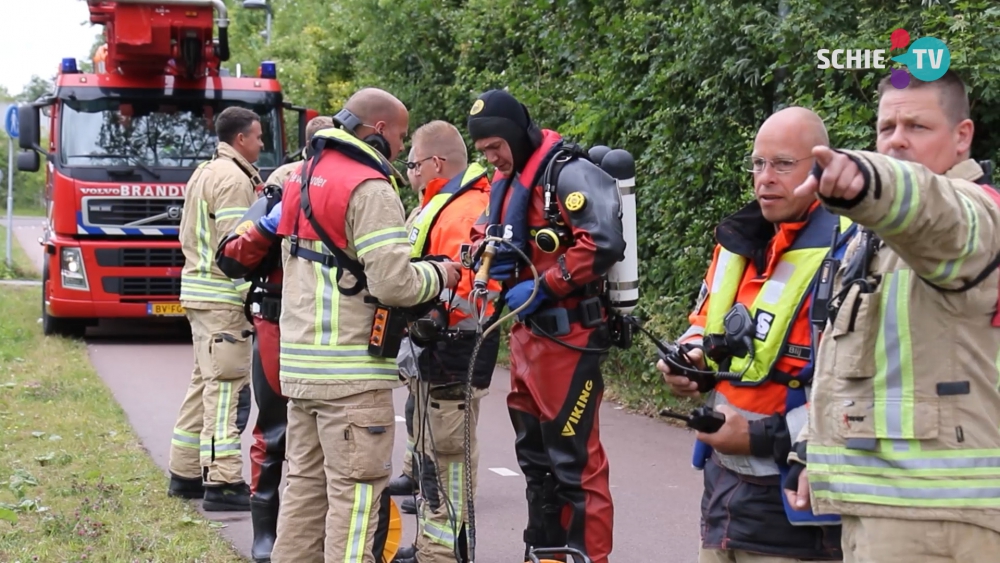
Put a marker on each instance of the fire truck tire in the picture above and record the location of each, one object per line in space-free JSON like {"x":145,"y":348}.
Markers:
{"x":55,"y":326}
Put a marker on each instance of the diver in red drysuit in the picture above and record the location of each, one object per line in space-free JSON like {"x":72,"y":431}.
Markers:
{"x":556,"y":386}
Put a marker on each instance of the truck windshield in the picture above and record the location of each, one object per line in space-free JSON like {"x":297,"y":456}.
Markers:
{"x":167,"y":132}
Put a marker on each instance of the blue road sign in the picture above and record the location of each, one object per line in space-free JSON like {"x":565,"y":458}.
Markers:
{"x":10,"y":121}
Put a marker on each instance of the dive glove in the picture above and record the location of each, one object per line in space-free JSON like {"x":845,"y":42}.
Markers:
{"x":270,"y":221}
{"x":519,"y":294}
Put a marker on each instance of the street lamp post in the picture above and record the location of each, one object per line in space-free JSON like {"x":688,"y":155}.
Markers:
{"x":261,"y":5}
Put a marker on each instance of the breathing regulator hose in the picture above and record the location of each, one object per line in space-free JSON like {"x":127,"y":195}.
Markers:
{"x":479,"y":301}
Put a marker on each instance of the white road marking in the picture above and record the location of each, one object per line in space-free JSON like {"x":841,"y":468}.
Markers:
{"x":503,"y":472}
{"x":400,"y":419}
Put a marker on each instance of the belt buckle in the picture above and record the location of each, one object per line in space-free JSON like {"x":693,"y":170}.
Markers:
{"x":590,"y":312}
{"x":554,"y":321}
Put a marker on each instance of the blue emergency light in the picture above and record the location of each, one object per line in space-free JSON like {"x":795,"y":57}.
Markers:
{"x":69,"y":66}
{"x":268,"y":70}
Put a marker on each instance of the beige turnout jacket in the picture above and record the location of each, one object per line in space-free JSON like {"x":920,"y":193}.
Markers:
{"x":905,"y":411}
{"x":324,"y":335}
{"x":218,"y":194}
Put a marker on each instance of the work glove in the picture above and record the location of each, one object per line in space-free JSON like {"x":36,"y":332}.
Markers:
{"x":270,"y":221}
{"x":519,"y":294}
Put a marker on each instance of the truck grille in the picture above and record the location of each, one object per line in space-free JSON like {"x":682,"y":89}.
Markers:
{"x":121,"y":212}
{"x":159,"y":286}
{"x":140,"y":257}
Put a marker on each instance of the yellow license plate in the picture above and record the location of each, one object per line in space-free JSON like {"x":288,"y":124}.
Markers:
{"x":165,"y":309}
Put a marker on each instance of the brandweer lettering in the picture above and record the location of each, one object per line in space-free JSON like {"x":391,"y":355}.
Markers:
{"x":152,"y":191}
{"x":856,"y":58}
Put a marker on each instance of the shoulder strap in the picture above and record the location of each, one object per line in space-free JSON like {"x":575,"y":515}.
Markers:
{"x":342,"y":260}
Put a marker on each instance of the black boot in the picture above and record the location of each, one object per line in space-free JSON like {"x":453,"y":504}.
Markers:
{"x":264,"y":518}
{"x":231,"y":497}
{"x":408,"y":506}
{"x":406,"y":554}
{"x":185,"y":487}
{"x":402,"y":486}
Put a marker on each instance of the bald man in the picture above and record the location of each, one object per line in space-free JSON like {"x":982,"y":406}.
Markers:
{"x":766,"y":258}
{"x":346,"y":262}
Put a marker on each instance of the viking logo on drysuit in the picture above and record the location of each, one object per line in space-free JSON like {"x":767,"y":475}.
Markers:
{"x":581,"y":404}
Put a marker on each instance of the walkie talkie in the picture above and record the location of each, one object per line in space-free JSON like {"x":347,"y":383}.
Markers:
{"x":702,"y":419}
{"x":824,"y":286}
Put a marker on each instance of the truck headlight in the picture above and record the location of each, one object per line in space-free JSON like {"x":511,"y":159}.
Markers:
{"x":74,"y":276}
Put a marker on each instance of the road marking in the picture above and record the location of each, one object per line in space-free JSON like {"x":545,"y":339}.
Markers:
{"x":400,"y":419}
{"x":503,"y":472}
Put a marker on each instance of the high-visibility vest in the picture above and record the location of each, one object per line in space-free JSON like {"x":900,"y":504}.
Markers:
{"x":778,"y":303}
{"x":424,"y":222}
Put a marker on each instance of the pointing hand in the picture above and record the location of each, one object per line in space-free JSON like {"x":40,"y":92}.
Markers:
{"x":840,"y":177}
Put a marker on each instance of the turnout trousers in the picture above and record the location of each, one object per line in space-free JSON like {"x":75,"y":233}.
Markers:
{"x":267,"y":454}
{"x":892,"y":540}
{"x":339,"y":460}
{"x":554,"y":401}
{"x":215,"y":411}
{"x":440,"y":468}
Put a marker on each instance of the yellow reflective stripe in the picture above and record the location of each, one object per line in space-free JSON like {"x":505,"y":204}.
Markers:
{"x":185,"y":433}
{"x":893,"y":382}
{"x":230,"y":213}
{"x":896,"y":491}
{"x":931,"y":463}
{"x":222,"y":410}
{"x":201,"y":240}
{"x":360,"y":516}
{"x":244,"y":286}
{"x":428,"y":273}
{"x":185,"y":439}
{"x":315,"y":362}
{"x":948,"y":270}
{"x":380,"y":238}
{"x":905,"y":203}
{"x":436,"y":531}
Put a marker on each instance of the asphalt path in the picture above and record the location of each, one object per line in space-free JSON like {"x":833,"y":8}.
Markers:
{"x":656,"y":493}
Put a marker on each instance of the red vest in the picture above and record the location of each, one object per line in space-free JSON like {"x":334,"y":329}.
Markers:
{"x":333,"y":181}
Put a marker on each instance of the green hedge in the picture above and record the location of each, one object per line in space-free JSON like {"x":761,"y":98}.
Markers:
{"x":683,"y":85}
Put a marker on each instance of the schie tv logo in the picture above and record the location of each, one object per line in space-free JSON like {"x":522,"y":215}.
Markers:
{"x":928,"y":58}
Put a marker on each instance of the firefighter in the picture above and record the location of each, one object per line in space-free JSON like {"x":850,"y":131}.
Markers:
{"x":347,"y":247}
{"x":453,"y":196}
{"x":903,"y":439}
{"x":249,"y":253}
{"x":561,"y":337}
{"x":766,"y":258}
{"x":206,"y":443}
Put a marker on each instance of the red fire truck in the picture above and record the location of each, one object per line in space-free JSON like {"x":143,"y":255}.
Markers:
{"x":123,"y":143}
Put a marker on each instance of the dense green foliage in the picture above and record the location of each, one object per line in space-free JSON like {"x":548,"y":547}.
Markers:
{"x":683,"y":85}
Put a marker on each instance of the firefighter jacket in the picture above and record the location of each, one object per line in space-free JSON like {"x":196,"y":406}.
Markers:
{"x":589,"y":213}
{"x":325,"y":333}
{"x":219,"y":192}
{"x":282,"y":173}
{"x":440,"y":226}
{"x":905,"y":410}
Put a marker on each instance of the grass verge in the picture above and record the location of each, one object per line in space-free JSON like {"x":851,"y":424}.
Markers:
{"x":24,"y":211}
{"x":23,"y":268}
{"x":75,"y":483}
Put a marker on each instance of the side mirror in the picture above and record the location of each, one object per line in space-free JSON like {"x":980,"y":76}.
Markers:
{"x":28,"y":128}
{"x":27,"y":161}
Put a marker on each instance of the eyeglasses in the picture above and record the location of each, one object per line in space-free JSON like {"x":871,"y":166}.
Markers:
{"x":780,"y":165}
{"x":413,"y":165}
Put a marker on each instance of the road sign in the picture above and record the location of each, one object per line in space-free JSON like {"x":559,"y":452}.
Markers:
{"x":10,"y":121}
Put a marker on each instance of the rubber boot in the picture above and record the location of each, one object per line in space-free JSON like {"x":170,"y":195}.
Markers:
{"x":231,"y":497}
{"x":183,"y":487}
{"x":264,"y":518}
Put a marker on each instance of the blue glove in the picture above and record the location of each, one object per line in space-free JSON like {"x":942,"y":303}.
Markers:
{"x":270,"y":221}
{"x":520,"y":293}
{"x":502,"y":270}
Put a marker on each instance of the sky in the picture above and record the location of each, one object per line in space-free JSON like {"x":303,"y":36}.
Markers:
{"x":38,"y":34}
